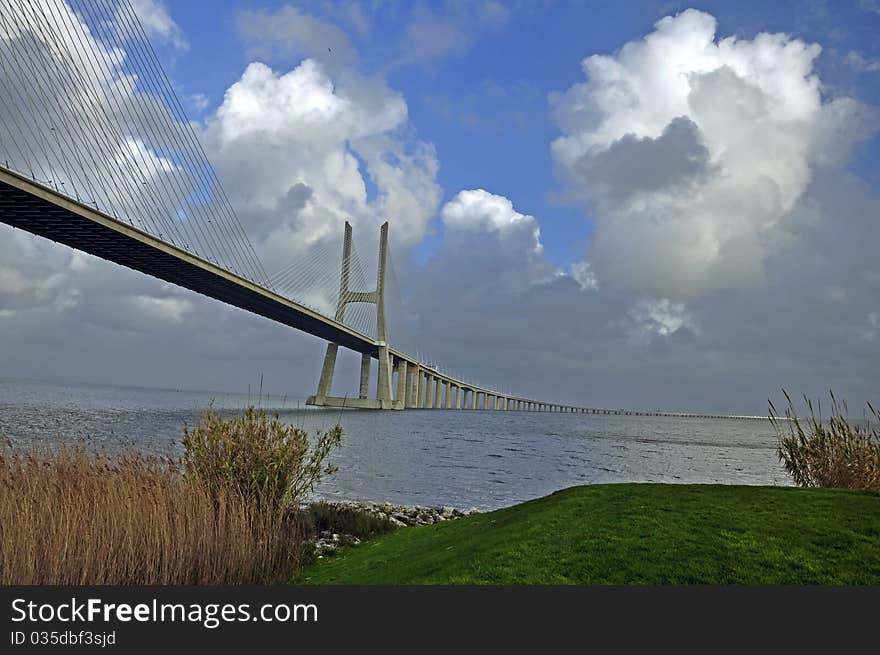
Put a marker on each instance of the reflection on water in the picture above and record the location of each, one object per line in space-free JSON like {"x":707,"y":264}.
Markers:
{"x":459,"y":458}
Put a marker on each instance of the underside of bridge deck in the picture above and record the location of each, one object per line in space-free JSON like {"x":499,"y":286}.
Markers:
{"x":33,"y":208}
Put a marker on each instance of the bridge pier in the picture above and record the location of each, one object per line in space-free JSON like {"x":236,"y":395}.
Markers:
{"x":437,"y":395}
{"x":366,"y":362}
{"x":402,"y":385}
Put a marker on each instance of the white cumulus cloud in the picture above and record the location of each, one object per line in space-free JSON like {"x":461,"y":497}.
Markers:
{"x":302,"y":152}
{"x":478,"y":210}
{"x":693,"y":152}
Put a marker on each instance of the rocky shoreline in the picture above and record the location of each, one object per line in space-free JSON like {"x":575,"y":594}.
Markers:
{"x":400,"y":516}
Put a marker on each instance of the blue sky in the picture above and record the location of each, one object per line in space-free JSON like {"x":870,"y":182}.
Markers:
{"x":483,"y":101}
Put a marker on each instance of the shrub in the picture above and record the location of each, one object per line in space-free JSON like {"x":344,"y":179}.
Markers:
{"x":259,"y":457}
{"x":837,"y":452}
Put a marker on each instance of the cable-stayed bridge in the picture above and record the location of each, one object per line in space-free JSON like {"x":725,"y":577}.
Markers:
{"x":96,"y":153}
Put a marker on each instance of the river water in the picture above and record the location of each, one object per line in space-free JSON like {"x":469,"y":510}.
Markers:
{"x":458,"y":458}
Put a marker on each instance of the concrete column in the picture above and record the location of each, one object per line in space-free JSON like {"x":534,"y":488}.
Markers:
{"x":410,"y":384}
{"x":473,"y":400}
{"x":402,"y":386}
{"x":383,"y":387}
{"x":506,"y":404}
{"x":417,"y":388}
{"x":447,"y":389}
{"x":326,"y":380}
{"x":429,"y":391}
{"x":437,"y":397}
{"x":366,"y":360}
{"x":458,"y":393}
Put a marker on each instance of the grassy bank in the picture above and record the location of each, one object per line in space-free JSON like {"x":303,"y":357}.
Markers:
{"x":634,"y":534}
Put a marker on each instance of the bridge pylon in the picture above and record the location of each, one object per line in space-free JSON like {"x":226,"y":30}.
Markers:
{"x":384,"y":396}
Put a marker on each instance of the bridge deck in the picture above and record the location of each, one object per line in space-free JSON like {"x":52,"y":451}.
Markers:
{"x":37,"y":209}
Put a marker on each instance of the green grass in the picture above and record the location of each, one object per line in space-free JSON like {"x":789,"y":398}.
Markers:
{"x":634,"y":534}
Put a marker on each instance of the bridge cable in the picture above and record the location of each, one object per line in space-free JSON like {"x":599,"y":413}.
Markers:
{"x":170,"y":195}
{"x":225,"y":205}
{"x":186,"y":195}
{"x":221,"y":244}
{"x":48,"y":105}
{"x":109,"y":166}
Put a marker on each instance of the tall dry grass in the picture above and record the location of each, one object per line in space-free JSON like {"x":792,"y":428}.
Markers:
{"x":70,"y":516}
{"x":833,"y":452}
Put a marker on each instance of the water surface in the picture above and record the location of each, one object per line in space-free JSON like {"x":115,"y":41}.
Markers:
{"x":459,"y":458}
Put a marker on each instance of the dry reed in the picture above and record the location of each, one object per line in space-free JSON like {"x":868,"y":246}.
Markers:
{"x":70,"y":516}
{"x":833,"y":452}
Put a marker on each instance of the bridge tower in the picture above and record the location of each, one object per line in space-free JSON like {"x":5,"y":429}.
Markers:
{"x":384,"y":395}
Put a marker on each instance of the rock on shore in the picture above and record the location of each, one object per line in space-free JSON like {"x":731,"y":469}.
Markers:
{"x":401,"y":516}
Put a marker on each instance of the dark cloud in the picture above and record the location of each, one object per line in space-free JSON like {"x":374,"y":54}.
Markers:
{"x":631,"y":164}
